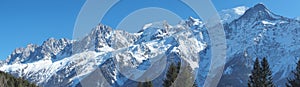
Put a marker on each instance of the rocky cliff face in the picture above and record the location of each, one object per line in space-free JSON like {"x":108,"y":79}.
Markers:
{"x":250,"y":33}
{"x":256,"y":34}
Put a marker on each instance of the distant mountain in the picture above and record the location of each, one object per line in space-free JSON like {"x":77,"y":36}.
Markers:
{"x":63,"y":62}
{"x":250,"y":33}
{"x":51,"y":49}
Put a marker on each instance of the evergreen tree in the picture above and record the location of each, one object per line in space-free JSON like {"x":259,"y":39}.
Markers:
{"x":171,"y":74}
{"x":186,"y":77}
{"x":266,"y":74}
{"x":254,"y":80}
{"x":296,"y":81}
{"x":178,"y":67}
{"x":7,"y":80}
{"x":145,"y":84}
{"x":140,"y":84}
{"x":195,"y":84}
{"x":149,"y":84}
{"x":261,"y":75}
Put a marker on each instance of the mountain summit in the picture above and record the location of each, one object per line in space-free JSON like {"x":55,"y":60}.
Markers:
{"x":67,"y":63}
{"x":259,"y":11}
{"x":254,"y":33}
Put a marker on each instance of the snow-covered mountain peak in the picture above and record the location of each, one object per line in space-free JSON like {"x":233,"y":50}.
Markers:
{"x":156,"y":25}
{"x":255,"y":32}
{"x":54,"y":46}
{"x":19,"y":53}
{"x":49,"y":50}
{"x":51,"y":42}
{"x":260,"y":6}
{"x":260,"y":12}
{"x":193,"y":21}
{"x":102,"y":28}
{"x":260,"y":33}
{"x":147,"y":26}
{"x":154,"y":40}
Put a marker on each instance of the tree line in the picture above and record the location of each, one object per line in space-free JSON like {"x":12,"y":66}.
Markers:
{"x":171,"y":75}
{"x":261,"y":75}
{"x":7,"y":80}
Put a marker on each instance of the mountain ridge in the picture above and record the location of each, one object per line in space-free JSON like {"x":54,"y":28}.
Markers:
{"x":256,"y":33}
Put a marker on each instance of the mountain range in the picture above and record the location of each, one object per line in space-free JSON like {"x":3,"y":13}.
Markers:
{"x":251,"y":33}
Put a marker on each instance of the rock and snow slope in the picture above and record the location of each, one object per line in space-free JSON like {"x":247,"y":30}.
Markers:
{"x":65,"y":63}
{"x":250,"y":33}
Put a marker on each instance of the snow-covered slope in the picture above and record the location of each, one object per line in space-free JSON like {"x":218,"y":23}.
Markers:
{"x":65,"y":63}
{"x":261,"y":33}
{"x":51,"y":49}
{"x":250,"y":33}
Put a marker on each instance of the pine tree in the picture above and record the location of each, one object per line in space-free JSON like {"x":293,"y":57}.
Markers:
{"x":261,"y":75}
{"x":254,"y":80}
{"x":8,"y":80}
{"x":171,"y":74}
{"x":195,"y":84}
{"x":296,"y":81}
{"x":140,"y":84}
{"x":266,"y":74}
{"x":185,"y":78}
{"x":149,"y":84}
{"x":145,"y":84}
{"x":178,"y":67}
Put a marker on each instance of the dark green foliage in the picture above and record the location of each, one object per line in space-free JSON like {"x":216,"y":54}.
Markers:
{"x":7,"y":80}
{"x":178,"y":67}
{"x":295,"y":82}
{"x":195,"y":84}
{"x":145,"y":84}
{"x":185,"y":78}
{"x":171,"y":76}
{"x":261,"y":75}
{"x":185,"y":75}
{"x":254,"y":80}
{"x":266,"y":74}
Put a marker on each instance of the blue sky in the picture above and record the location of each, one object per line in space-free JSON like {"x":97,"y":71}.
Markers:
{"x":33,"y":21}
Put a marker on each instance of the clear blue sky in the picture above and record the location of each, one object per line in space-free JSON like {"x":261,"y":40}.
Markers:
{"x":33,"y":21}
